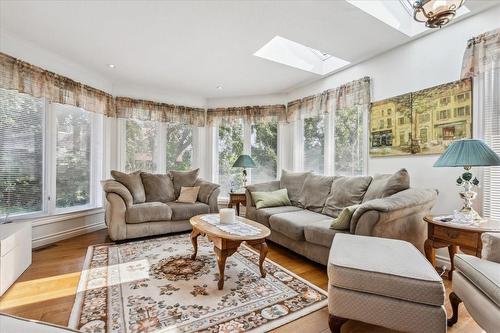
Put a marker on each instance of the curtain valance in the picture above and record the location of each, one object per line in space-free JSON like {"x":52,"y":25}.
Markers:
{"x":250,"y":114}
{"x":481,"y":54}
{"x":18,"y":75}
{"x":347,"y":95}
{"x":154,"y":111}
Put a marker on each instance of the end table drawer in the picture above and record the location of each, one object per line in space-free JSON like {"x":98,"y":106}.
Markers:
{"x":459,"y":237}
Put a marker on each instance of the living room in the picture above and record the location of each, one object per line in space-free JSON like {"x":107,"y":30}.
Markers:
{"x":234,"y":166}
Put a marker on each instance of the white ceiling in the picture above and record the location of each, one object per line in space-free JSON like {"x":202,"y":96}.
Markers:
{"x":195,"y":46}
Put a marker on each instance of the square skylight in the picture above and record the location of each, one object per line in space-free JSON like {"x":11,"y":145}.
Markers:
{"x":290,"y":53}
{"x":397,"y":14}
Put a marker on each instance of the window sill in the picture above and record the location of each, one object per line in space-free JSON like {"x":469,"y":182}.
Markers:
{"x":63,"y":217}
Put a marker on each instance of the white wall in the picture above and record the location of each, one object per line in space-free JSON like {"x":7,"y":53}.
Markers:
{"x":431,"y":60}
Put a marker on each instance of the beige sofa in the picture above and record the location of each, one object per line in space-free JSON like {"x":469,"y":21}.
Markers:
{"x":142,"y":204}
{"x":388,"y":208}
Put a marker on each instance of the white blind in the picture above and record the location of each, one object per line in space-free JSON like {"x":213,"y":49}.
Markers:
{"x":21,"y":153}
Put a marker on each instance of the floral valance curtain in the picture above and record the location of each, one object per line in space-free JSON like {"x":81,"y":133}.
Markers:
{"x":249,"y":114}
{"x":355,"y":93}
{"x":18,"y":75}
{"x":148,"y":110}
{"x":481,"y":54}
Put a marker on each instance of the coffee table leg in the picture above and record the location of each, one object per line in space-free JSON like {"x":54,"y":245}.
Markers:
{"x":262,"y":257}
{"x":221,"y":262}
{"x":194,"y":241}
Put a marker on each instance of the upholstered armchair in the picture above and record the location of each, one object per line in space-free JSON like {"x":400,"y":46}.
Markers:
{"x":476,"y":283}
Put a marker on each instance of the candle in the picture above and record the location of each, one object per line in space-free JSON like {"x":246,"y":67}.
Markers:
{"x":227,"y":215}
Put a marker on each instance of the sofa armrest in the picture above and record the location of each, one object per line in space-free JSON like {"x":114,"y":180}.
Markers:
{"x":261,"y":187}
{"x":207,"y":190}
{"x":213,"y":201}
{"x":112,"y":186}
{"x":114,"y":216}
{"x":491,"y":246}
{"x":399,"y":216}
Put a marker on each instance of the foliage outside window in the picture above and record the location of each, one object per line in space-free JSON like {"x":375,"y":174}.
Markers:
{"x":179,"y":147}
{"x":21,"y":153}
{"x":264,"y":151}
{"x":314,"y":144}
{"x":73,"y":156}
{"x":349,"y":142}
{"x":140,"y":145}
{"x":230,"y":146}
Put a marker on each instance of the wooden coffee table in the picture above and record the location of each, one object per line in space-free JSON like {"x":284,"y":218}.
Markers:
{"x":225,"y":244}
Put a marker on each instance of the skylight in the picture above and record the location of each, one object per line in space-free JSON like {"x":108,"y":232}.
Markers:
{"x":290,"y":53}
{"x":397,"y":14}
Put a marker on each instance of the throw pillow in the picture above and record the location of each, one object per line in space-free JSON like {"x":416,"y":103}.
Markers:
{"x":384,"y":186}
{"x":271,"y":199}
{"x":133,"y":182}
{"x":158,"y":188}
{"x":293,"y":182}
{"x":184,"y":178}
{"x":188,"y":194}
{"x":346,"y":191}
{"x":314,"y":192}
{"x":343,"y":221}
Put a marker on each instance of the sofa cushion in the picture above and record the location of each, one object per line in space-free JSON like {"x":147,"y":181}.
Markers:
{"x":148,"y":212}
{"x":293,"y":182}
{"x":386,"y":185}
{"x":188,"y":194}
{"x":484,"y":274}
{"x":292,"y":224}
{"x":185,"y":211}
{"x":183,"y":178}
{"x":369,"y":265}
{"x":158,"y":187}
{"x":133,"y":182}
{"x":262,"y":215}
{"x":315,"y":191}
{"x":343,"y":221}
{"x":319,"y":233}
{"x":345,"y":192}
{"x":271,"y":199}
{"x":491,"y":246}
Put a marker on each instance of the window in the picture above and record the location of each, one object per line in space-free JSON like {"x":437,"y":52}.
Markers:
{"x":389,"y":122}
{"x":314,"y":144}
{"x":230,"y":146}
{"x":349,"y":142}
{"x":73,"y":156}
{"x":264,"y":151}
{"x":445,"y":101}
{"x":21,"y":153}
{"x":179,"y":147}
{"x":140,"y":145}
{"x":381,"y":123}
{"x":443,"y":114}
{"x":424,"y":118}
{"x":462,"y":97}
{"x":423,"y":135}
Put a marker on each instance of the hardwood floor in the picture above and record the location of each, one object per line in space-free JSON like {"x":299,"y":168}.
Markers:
{"x":46,"y":290}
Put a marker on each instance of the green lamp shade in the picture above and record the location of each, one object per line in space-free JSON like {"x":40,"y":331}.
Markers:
{"x":468,"y":152}
{"x":244,"y":161}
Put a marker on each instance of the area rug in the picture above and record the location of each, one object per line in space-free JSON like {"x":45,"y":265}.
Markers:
{"x":154,"y":286}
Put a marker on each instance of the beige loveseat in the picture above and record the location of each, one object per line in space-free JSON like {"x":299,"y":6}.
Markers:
{"x":388,"y":208}
{"x":142,"y":204}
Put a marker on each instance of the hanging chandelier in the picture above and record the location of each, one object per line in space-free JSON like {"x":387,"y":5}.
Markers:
{"x":435,"y":13}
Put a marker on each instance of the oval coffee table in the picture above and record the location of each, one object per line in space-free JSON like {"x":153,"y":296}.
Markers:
{"x":225,"y":244}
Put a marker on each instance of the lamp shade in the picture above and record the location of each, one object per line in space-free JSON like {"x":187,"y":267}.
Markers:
{"x":468,"y":152}
{"x":244,"y":161}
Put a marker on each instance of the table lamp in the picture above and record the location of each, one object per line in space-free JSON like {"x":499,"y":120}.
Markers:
{"x":244,"y":161}
{"x":468,"y":153}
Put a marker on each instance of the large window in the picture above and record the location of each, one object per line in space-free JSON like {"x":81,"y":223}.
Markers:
{"x":21,"y":153}
{"x":264,"y":151}
{"x":179,"y":147}
{"x":230,"y":146}
{"x":314,"y":144}
{"x":140,"y":144}
{"x":349,"y":142}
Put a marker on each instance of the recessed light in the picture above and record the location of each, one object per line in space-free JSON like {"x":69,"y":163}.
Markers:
{"x":219,"y":87}
{"x":111,"y":66}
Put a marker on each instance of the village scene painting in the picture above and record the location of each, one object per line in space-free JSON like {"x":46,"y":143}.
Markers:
{"x":422,"y":122}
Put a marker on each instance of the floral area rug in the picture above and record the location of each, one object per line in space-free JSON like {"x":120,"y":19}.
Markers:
{"x":154,"y":286}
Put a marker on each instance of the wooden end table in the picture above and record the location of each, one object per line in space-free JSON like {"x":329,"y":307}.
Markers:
{"x":237,"y":198}
{"x":455,"y":236}
{"x":225,"y":244}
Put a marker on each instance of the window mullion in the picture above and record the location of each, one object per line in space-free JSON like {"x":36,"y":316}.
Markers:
{"x":160,"y":147}
{"x":247,"y":146}
{"x":51,"y":155}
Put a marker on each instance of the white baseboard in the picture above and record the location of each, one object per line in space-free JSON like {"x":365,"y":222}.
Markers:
{"x":443,"y":261}
{"x":68,"y":233}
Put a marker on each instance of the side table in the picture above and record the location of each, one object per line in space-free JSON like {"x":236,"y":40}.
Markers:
{"x":454,"y":236}
{"x":237,"y":199}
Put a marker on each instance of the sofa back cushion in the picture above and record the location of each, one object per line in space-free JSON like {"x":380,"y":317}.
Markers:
{"x":271,"y":199}
{"x":184,"y":178}
{"x":293,"y":182}
{"x":386,"y":185}
{"x":314,"y":192}
{"x":158,"y":187}
{"x":133,"y":182}
{"x":345,"y":192}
